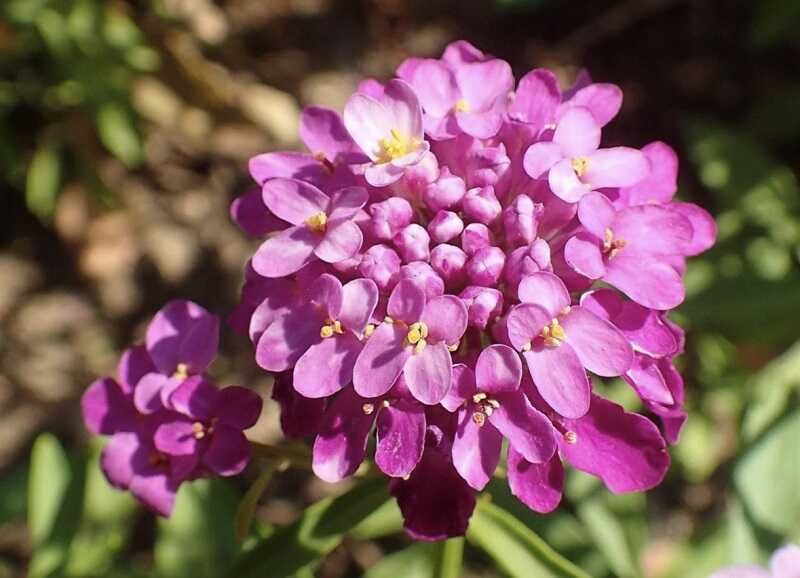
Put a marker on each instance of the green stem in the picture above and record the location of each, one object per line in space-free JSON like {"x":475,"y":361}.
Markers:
{"x":449,"y":558}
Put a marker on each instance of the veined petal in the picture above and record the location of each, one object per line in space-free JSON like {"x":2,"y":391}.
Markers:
{"x":498,"y":370}
{"x":649,"y":282}
{"x":564,"y":182}
{"x":546,"y":290}
{"x":429,"y":373}
{"x":327,"y":366}
{"x":582,"y":253}
{"x":476,"y":450}
{"x":381,"y":361}
{"x":347,"y":202}
{"x":285,"y":253}
{"x":400,"y":438}
{"x":525,"y":323}
{"x":615,"y":167}
{"x":293,"y":200}
{"x":577,"y":133}
{"x":596,"y":213}
{"x":600,"y":346}
{"x":538,"y":486}
{"x":560,"y":378}
{"x":527,"y":429}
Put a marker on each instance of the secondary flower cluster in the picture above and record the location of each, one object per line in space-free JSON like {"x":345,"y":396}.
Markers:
{"x":784,"y":563}
{"x":167,"y":420}
{"x":448,"y":263}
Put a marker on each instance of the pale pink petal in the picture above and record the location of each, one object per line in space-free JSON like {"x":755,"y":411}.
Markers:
{"x":367,"y":121}
{"x":541,"y":157}
{"x":524,"y":324}
{"x":546,"y":290}
{"x":785,"y":562}
{"x":596,"y":213}
{"x":482,"y":83}
{"x":578,"y":133}
{"x":285,"y":253}
{"x":341,"y":241}
{"x":537,"y":98}
{"x":407,"y":302}
{"x":384,"y":174}
{"x":287,"y":165}
{"x":293,"y":200}
{"x":347,"y":202}
{"x":615,"y":167}
{"x":403,"y":108}
{"x":601,"y":99}
{"x":582,"y":253}
{"x":359,"y":299}
{"x":323,"y":132}
{"x":428,"y":373}
{"x":480,"y":124}
{"x":327,"y":292}
{"x":565,"y":183}
{"x":435,"y":86}
{"x":560,"y":378}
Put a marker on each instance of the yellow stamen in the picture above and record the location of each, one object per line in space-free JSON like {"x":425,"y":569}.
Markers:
{"x":396,"y":146}
{"x":571,"y":437}
{"x":181,"y":372}
{"x":317,"y":222}
{"x":454,"y":347}
{"x":461,"y":106}
{"x":326,"y":331}
{"x":198,"y":430}
{"x":330,"y":328}
{"x":417,"y":332}
{"x":368,"y":408}
{"x":479,"y":418}
{"x":553,"y":334}
{"x":326,"y":164}
{"x":369,"y":330}
{"x":479,"y":397}
{"x":612,"y":246}
{"x":579,"y":165}
{"x":420,"y":346}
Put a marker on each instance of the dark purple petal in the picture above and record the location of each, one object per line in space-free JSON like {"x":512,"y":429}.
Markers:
{"x":229,"y":451}
{"x":342,"y":439}
{"x":238,"y":407}
{"x":538,"y":486}
{"x":116,"y":459}
{"x":300,"y":416}
{"x":133,"y":365}
{"x":401,"y":438}
{"x":182,"y":332}
{"x":195,"y":398}
{"x":106,"y":409}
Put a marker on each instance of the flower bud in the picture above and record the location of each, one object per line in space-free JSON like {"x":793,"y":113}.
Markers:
{"x":389,"y":217}
{"x":445,"y":226}
{"x":481,"y":205}
{"x":475,"y":237}
{"x":486,"y":166}
{"x":418,"y":177}
{"x":413,"y":243}
{"x":525,"y":261}
{"x":445,"y":193}
{"x":425,"y":277}
{"x":521,"y":220}
{"x":484,"y":304}
{"x":381,"y":264}
{"x":486,"y":266}
{"x":448,"y":261}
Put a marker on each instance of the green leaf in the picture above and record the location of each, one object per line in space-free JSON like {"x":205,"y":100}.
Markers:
{"x":319,"y":530}
{"x":517,"y":550}
{"x":116,"y":127}
{"x":198,"y":539}
{"x":44,"y":178}
{"x":416,"y":561}
{"x":609,"y":535}
{"x":767,"y":476}
{"x":247,"y":507}
{"x":55,"y":491}
{"x":384,"y":521}
{"x":449,"y":558}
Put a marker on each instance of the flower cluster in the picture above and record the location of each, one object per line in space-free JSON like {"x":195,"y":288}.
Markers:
{"x":167,"y":420}
{"x":784,"y":563}
{"x":448,"y":263}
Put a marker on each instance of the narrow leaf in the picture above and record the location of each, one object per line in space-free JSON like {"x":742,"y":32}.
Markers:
{"x":44,"y":177}
{"x":248,"y":505}
{"x":449,"y":558}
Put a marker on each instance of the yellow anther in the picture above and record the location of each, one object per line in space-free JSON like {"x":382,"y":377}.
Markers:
{"x":420,"y":346}
{"x":396,"y":146}
{"x":369,"y":329}
{"x":493,"y":403}
{"x":337,"y":327}
{"x":488,"y":410}
{"x":417,"y":332}
{"x":368,"y":408}
{"x":330,"y":328}
{"x":553,"y":334}
{"x":317,"y":222}
{"x":612,"y":246}
{"x":565,"y":310}
{"x":556,"y":331}
{"x":326,"y":331}
{"x":454,"y":347}
{"x":571,"y":437}
{"x":385,"y":403}
{"x":461,"y":105}
{"x":479,"y":397}
{"x":527,"y":347}
{"x":181,"y":372}
{"x":327,"y":165}
{"x":198,"y":430}
{"x":579,"y":165}
{"x":479,"y":418}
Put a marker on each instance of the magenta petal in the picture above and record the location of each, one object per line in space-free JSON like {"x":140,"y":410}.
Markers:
{"x":704,"y":228}
{"x":538,"y":486}
{"x":601,"y":347}
{"x":359,"y":299}
{"x":560,"y":378}
{"x":182,"y":332}
{"x":381,"y":361}
{"x":282,"y":344}
{"x":117,"y":458}
{"x":407,"y":302}
{"x":383,"y":175}
{"x":596,"y":214}
{"x":647,"y":281}
{"x":293,"y":200}
{"x":446,"y":318}
{"x":281,"y":295}
{"x":480,"y":125}
{"x":582,"y":253}
{"x":289,"y":165}
{"x":577,"y":133}
{"x":662,"y":182}
{"x":526,"y":428}
{"x":195,"y":398}
{"x":134,"y":363}
{"x":482,"y":83}
{"x":623,"y":449}
{"x":251,"y":214}
{"x":429,"y":373}
{"x":436,"y":87}
{"x":176,"y":438}
{"x":147,"y":395}
{"x":602,"y":99}
{"x":400,"y":438}
{"x":229,"y":451}
{"x":327,"y":366}
{"x":106,"y":409}
{"x":616,"y":167}
{"x":285,"y":253}
{"x":342,"y":440}
{"x":156,"y":490}
{"x":564,"y":182}
{"x":322,"y":131}
{"x":536,"y":99}
{"x":326,"y":292}
{"x":541,"y":157}
{"x":341,"y":241}
{"x":462,"y":388}
{"x":347,"y":202}
{"x":476,"y":450}
{"x":546,"y":290}
{"x":654,"y":230}
{"x":238,"y":407}
{"x":524,"y":324}
{"x":647,"y":380}
{"x":498,"y":369}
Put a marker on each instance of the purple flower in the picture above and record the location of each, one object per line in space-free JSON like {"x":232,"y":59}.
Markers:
{"x":560,"y":342}
{"x":574,"y":164}
{"x":207,"y":429}
{"x":785,"y":563}
{"x":415,"y":340}
{"x":323,"y":226}
{"x":389,"y":131}
{"x":491,"y":406}
{"x":300,"y":416}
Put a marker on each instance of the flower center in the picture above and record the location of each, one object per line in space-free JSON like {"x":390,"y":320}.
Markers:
{"x":612,"y":246}
{"x":331,"y":327}
{"x":198,"y":430}
{"x":553,"y":334}
{"x":317,"y":222}
{"x":326,"y":164}
{"x":461,"y":105}
{"x":579,"y":165}
{"x":396,"y":146}
{"x":417,"y":335}
{"x":483,"y":408}
{"x":181,"y":372}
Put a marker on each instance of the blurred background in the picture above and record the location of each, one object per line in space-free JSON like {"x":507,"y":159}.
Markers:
{"x":125,"y":128}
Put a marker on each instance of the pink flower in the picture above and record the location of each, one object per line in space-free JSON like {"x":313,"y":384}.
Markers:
{"x":785,"y":563}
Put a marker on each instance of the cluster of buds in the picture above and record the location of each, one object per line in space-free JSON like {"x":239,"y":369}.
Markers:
{"x":167,"y":420}
{"x":448,"y":263}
